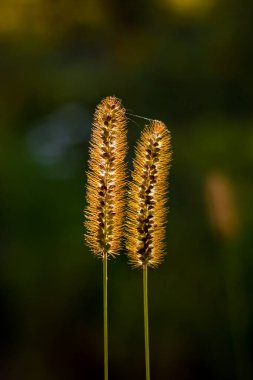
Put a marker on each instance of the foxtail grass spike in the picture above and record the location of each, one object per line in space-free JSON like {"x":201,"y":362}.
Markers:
{"x":147,"y":209}
{"x":106,"y":179}
{"x":105,"y":191}
{"x":146,"y":215}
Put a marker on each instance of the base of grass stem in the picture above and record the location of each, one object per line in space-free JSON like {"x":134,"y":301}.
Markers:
{"x":105,"y":279}
{"x":146,"y":326}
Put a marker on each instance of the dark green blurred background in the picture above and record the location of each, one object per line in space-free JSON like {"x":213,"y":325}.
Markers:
{"x":188,"y":63}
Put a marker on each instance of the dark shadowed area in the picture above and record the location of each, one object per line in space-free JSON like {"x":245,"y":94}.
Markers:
{"x":188,"y":63}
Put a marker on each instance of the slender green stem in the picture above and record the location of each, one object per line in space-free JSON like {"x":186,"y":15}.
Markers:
{"x":105,"y":278}
{"x":146,"y":330}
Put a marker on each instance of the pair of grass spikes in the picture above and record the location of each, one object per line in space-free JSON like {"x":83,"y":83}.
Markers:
{"x":135,"y":211}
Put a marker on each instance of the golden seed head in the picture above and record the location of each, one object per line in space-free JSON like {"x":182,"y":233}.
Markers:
{"x":147,"y":197}
{"x":106,"y":179}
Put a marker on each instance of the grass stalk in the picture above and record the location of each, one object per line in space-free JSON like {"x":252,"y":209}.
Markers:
{"x":146,"y":325}
{"x":105,"y":279}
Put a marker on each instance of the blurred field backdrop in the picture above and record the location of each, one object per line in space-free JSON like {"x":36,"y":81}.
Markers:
{"x":188,"y":63}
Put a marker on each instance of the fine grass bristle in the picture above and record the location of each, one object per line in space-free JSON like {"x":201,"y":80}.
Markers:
{"x":106,"y":179}
{"x":146,"y":214}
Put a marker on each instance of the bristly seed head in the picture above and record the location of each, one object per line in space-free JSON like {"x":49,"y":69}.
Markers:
{"x":106,"y":179}
{"x":146,"y":214}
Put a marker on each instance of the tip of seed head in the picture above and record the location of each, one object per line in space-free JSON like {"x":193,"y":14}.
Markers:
{"x":158,"y":127}
{"x":111,"y":102}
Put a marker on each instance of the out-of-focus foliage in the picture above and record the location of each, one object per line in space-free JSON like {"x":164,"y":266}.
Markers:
{"x":188,"y":63}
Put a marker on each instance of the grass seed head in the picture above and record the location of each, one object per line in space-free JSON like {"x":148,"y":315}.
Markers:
{"x":106,"y":179}
{"x":146,"y":215}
